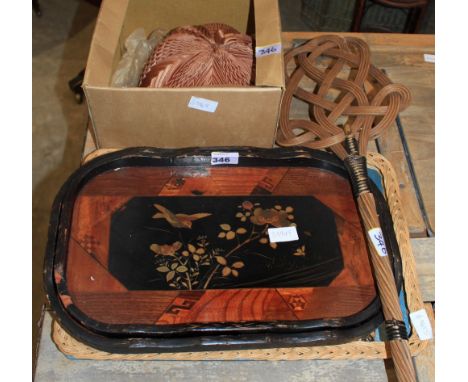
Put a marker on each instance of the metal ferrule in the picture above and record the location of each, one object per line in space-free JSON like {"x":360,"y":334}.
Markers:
{"x":351,"y":145}
{"x":357,"y":169}
{"x":395,"y":330}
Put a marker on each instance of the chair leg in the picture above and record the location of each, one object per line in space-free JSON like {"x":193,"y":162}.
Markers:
{"x":420,"y":17}
{"x":36,"y":7}
{"x":75,"y":85}
{"x":358,"y":14}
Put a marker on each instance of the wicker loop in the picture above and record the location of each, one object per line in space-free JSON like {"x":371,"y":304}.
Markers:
{"x":365,"y":100}
{"x":395,"y":330}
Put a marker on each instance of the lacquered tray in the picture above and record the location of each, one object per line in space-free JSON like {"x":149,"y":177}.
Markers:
{"x":159,"y":251}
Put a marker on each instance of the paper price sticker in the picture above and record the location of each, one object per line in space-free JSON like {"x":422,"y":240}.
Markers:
{"x":261,"y":51}
{"x":283,"y":234}
{"x":421,"y":324}
{"x":203,"y":104}
{"x":218,"y":157}
{"x":429,"y":58}
{"x":378,"y":240}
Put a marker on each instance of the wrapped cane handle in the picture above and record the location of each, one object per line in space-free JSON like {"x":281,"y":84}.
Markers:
{"x":388,"y":293}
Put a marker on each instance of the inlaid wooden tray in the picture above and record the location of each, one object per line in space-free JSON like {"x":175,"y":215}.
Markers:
{"x":156,"y":250}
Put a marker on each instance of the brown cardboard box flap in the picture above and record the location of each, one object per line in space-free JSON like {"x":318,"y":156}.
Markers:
{"x":168,"y":14}
{"x":105,"y":42}
{"x":268,"y":32}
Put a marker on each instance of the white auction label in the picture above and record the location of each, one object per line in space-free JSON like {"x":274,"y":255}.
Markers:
{"x":203,"y":104}
{"x":278,"y":235}
{"x":421,"y":323}
{"x":429,"y":58}
{"x":378,"y":240}
{"x":261,"y":51}
{"x":218,"y":157}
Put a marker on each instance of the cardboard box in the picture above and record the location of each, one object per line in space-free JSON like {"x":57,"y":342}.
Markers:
{"x":123,"y":117}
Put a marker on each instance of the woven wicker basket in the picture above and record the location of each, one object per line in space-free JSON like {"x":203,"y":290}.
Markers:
{"x":352,"y":350}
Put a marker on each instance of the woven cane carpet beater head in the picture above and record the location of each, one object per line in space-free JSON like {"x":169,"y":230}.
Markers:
{"x":349,"y":97}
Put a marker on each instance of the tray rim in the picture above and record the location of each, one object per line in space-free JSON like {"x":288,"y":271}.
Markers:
{"x":138,"y":343}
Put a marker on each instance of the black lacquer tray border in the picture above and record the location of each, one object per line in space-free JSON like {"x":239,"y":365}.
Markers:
{"x":200,"y":337}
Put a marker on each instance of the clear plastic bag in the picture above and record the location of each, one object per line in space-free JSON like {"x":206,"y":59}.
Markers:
{"x":138,"y":49}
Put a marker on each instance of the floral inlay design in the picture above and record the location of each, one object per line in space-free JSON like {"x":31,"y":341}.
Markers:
{"x":196,"y":263}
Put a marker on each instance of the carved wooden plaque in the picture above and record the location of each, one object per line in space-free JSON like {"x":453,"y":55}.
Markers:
{"x":159,"y":250}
